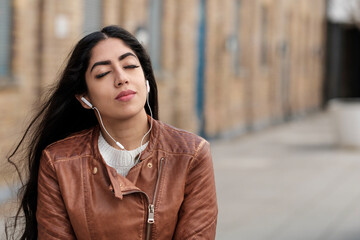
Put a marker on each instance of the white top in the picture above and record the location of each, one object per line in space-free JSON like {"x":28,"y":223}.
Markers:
{"x":121,"y":160}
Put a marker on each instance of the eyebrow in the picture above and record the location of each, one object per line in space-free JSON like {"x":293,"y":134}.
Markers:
{"x":108,"y":62}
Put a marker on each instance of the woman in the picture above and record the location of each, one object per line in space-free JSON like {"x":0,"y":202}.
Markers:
{"x":101,"y":164}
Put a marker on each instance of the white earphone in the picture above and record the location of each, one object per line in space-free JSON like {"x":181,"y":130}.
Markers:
{"x":147,"y":86}
{"x":86,"y":102}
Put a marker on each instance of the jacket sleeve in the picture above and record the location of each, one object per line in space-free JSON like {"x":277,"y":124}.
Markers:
{"x":52,"y":218}
{"x":198,"y":213}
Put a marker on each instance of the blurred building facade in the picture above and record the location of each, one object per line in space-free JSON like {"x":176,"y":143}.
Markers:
{"x":222,"y":67}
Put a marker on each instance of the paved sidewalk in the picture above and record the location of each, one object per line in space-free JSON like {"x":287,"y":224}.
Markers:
{"x":288,"y":182}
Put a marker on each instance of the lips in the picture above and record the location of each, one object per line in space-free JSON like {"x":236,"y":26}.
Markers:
{"x":126,"y":95}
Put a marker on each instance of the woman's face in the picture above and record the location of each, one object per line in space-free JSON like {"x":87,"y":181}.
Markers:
{"x":115,"y":80}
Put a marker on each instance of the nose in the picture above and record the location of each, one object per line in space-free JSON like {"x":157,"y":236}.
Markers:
{"x":120,"y":78}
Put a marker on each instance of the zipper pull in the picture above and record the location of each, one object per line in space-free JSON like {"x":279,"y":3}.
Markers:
{"x":151,"y":214}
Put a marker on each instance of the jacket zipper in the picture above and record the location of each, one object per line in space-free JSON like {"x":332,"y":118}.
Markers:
{"x":151,"y":206}
{"x":148,"y":203}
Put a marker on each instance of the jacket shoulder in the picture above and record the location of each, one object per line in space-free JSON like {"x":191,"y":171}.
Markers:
{"x":73,"y":146}
{"x":176,"y":140}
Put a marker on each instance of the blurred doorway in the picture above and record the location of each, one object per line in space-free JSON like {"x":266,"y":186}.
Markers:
{"x":342,"y":72}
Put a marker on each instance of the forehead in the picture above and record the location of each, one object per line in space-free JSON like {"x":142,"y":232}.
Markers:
{"x":109,"y":48}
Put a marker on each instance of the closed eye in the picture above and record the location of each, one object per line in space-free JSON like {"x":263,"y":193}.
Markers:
{"x":131,"y":66}
{"x":102,"y":74}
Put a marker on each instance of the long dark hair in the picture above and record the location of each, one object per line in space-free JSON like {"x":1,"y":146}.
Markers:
{"x":62,"y":115}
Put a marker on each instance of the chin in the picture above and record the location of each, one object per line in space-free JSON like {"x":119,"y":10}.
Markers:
{"x":132,"y":113}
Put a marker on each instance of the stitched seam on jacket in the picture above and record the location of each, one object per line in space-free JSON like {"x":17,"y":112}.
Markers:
{"x":48,"y":160}
{"x":169,"y":153}
{"x":190,"y":166}
{"x":196,"y":154}
{"x":168,"y":128}
{"x":51,"y":164}
{"x":159,"y":194}
{"x":65,"y":159}
{"x":204,"y":228}
{"x":86,"y":193}
{"x":175,"y":153}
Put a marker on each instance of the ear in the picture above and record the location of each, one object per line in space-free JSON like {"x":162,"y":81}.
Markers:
{"x":83,"y":103}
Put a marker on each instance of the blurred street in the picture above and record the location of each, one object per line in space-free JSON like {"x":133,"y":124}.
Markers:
{"x":288,"y":182}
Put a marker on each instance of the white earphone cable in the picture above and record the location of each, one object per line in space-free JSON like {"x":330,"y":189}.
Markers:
{"x":119,"y":144}
{"x":151,"y":123}
{"x":102,"y":124}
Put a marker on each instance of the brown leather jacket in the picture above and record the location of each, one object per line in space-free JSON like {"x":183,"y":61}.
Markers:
{"x":170,"y":194}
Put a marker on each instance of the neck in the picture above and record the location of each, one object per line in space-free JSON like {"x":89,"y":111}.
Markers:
{"x":128,"y":132}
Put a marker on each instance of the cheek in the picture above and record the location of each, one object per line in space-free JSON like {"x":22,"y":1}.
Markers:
{"x":95,"y":86}
{"x":146,"y":95}
{"x":96,"y":91}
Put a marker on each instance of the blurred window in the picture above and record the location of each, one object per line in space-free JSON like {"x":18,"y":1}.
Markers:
{"x":5,"y":38}
{"x":155,"y":33}
{"x":92,"y":16}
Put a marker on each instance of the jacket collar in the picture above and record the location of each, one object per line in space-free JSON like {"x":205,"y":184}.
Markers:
{"x":121,"y":185}
{"x":154,"y":133}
